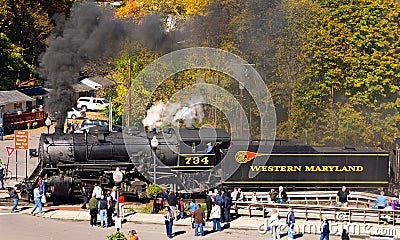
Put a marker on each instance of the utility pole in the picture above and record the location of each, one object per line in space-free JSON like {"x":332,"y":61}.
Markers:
{"x":241,"y":87}
{"x":110,"y":108}
{"x":129,"y":93}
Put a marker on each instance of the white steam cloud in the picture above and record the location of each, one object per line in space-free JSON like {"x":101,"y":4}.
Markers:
{"x":162,"y":115}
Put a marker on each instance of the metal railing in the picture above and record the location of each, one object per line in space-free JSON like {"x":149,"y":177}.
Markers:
{"x":315,"y":205}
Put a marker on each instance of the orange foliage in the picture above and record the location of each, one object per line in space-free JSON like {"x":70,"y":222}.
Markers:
{"x":129,"y":9}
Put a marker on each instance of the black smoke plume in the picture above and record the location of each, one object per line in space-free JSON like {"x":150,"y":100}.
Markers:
{"x":91,"y":32}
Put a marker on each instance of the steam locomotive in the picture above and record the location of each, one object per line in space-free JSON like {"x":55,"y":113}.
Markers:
{"x":66,"y":160}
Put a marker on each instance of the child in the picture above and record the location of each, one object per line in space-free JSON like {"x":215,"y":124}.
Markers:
{"x":132,"y":235}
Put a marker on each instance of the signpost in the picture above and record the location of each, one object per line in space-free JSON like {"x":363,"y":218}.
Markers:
{"x":21,"y":142}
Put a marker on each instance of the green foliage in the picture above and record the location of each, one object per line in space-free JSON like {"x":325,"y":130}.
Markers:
{"x":12,"y":64}
{"x":116,"y":236}
{"x":154,"y":190}
{"x":147,"y":208}
{"x":27,"y":24}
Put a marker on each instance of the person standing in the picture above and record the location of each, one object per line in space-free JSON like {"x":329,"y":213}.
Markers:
{"x":192,"y":208}
{"x":172,"y":202}
{"x":234,"y":194}
{"x":85,"y":194}
{"x":272,"y":195}
{"x":182,"y":207}
{"x":345,"y":231}
{"x":169,"y":216}
{"x":290,"y":220}
{"x":240,"y":195}
{"x":2,"y":175}
{"x":93,"y":205}
{"x":228,"y":205}
{"x":42,"y":185}
{"x":219,"y":198}
{"x":98,"y":191}
{"x":342,"y":197}
{"x":254,"y":197}
{"x":14,"y":196}
{"x":110,"y":209}
{"x":274,"y":219}
{"x":103,"y":206}
{"x":37,"y":199}
{"x":282,"y":196}
{"x":209,"y":204}
{"x":121,"y":203}
{"x":164,"y":196}
{"x":216,"y":217}
{"x":324,"y":229}
{"x":199,"y":217}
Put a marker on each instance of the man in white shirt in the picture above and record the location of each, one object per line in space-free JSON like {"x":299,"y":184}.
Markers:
{"x":97,"y":191}
{"x":234,"y":194}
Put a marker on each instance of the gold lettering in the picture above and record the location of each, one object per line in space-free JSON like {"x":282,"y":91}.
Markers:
{"x":264,"y":168}
{"x":290,"y":168}
{"x":297,"y":168}
{"x":325,"y":168}
{"x":310,"y":168}
{"x":359,"y":168}
{"x":352,"y":168}
{"x":283,"y":168}
{"x":270,"y":168}
{"x":255,"y":168}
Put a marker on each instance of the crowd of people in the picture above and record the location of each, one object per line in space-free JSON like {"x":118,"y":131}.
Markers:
{"x":217,"y":208}
{"x":103,"y":204}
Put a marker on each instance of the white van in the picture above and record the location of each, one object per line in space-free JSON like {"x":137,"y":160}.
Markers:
{"x":91,"y":103}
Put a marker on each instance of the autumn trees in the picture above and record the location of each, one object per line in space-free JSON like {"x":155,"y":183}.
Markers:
{"x":332,"y":66}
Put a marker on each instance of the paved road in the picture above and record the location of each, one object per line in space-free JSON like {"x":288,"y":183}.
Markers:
{"x":20,"y":165}
{"x":20,"y":226}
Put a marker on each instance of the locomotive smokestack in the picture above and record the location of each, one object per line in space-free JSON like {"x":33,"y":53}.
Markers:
{"x":59,"y":130}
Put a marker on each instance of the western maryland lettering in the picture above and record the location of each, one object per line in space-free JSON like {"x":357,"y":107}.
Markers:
{"x":314,"y":168}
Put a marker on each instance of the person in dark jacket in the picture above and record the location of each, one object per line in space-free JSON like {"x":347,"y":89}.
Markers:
{"x":14,"y":196}
{"x":342,"y":197}
{"x":172,"y":202}
{"x":282,"y":196}
{"x":325,"y":229}
{"x":290,"y":221}
{"x":103,"y":206}
{"x":209,"y":205}
{"x":228,"y":205}
{"x":85,"y":194}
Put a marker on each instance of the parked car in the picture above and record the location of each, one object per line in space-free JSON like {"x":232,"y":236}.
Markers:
{"x":86,"y":124}
{"x":90,"y":103}
{"x":76,"y":113}
{"x":72,"y":113}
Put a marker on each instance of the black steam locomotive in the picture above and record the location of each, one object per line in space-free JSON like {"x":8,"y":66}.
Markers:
{"x":66,"y":160}
{"x":182,"y":158}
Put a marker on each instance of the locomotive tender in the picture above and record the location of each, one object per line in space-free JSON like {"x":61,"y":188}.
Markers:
{"x":65,"y":160}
